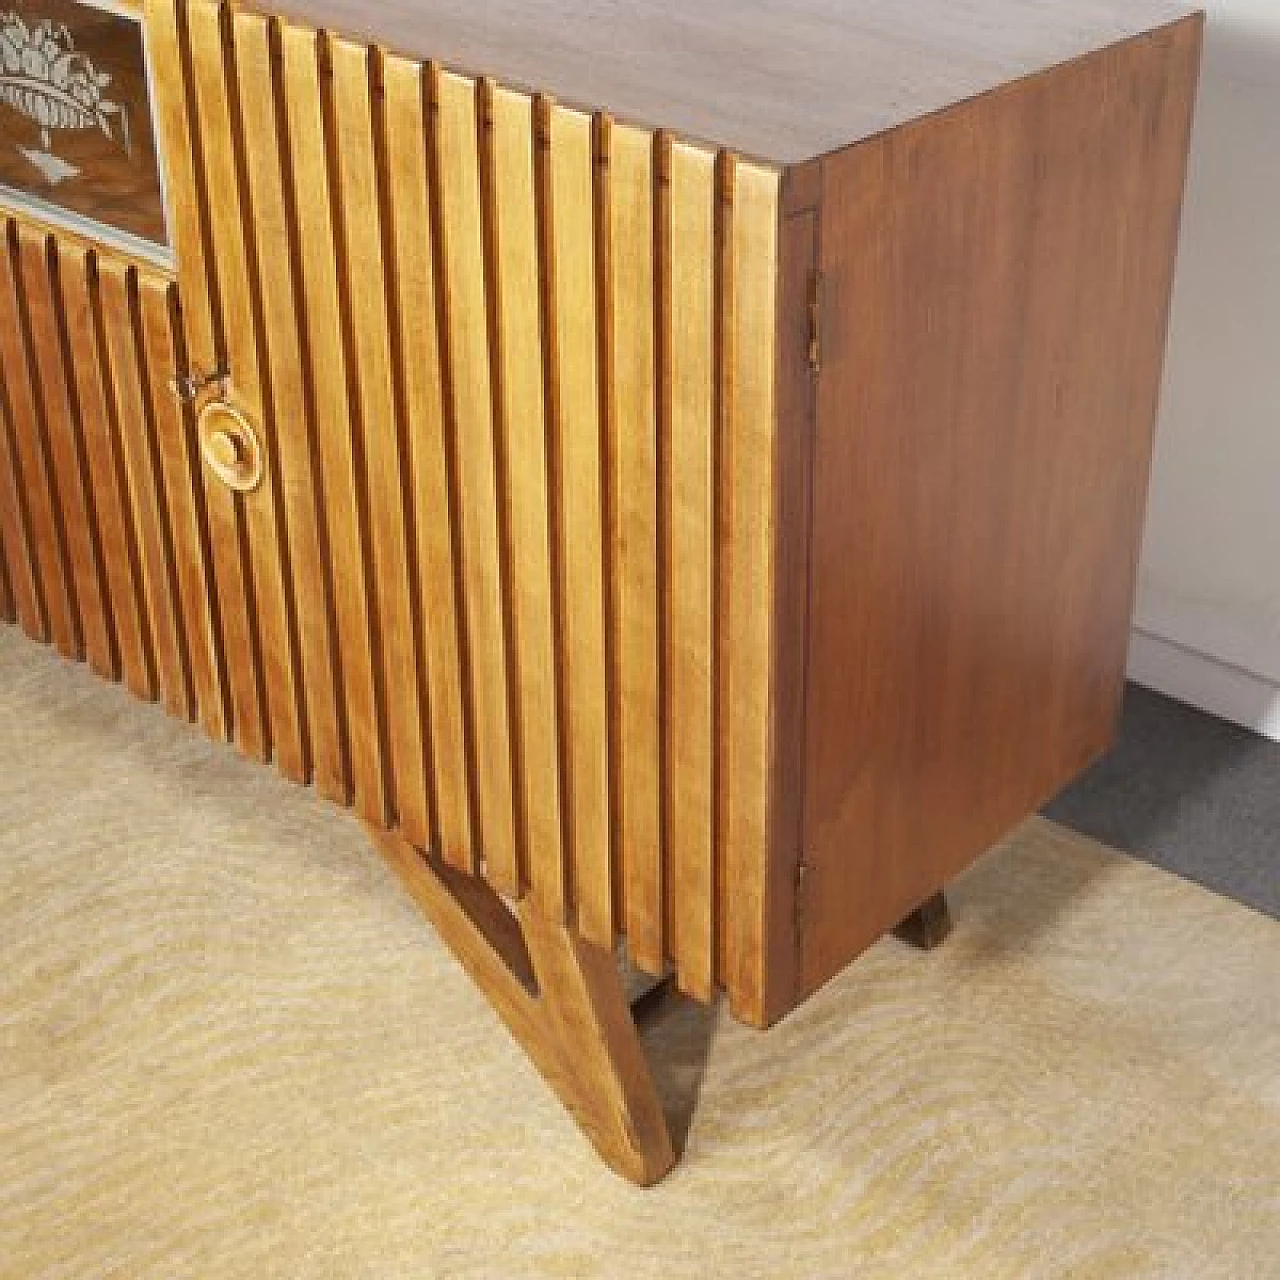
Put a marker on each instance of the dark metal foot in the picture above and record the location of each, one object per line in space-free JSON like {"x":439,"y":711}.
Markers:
{"x":928,"y":925}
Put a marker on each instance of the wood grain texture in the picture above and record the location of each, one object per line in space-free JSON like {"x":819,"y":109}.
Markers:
{"x":572,"y":355}
{"x":780,"y":82}
{"x":90,"y":368}
{"x":688,"y":449}
{"x":129,"y":406}
{"x":180,"y":481}
{"x":423,"y":410}
{"x":520,"y":410}
{"x":19,"y":553}
{"x":46,"y":530}
{"x":562,"y":1000}
{"x":221,"y":133}
{"x":984,"y":428}
{"x":177,"y":121}
{"x":456,"y":187}
{"x":8,"y":611}
{"x":746,"y":537}
{"x":632,"y":459}
{"x":374,"y":419}
{"x":66,"y":450}
{"x":270,"y":196}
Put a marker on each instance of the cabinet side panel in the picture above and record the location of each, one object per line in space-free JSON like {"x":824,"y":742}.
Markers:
{"x":996,"y":284}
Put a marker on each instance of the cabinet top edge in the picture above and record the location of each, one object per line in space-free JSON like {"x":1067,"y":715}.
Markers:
{"x":784,"y":84}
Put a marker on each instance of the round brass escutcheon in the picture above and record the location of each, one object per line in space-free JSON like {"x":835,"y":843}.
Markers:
{"x":229,"y":446}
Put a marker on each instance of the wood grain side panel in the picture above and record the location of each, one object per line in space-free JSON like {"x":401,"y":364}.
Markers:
{"x":178,"y":124}
{"x":996,"y":283}
{"x":270,"y":197}
{"x":632,"y":543}
{"x":520,"y":411}
{"x":47,"y":535}
{"x":108,"y":481}
{"x":746,"y":540}
{"x":575,"y":416}
{"x":422,"y":392}
{"x":221,"y":133}
{"x":130,"y":409}
{"x":689,"y":559}
{"x":456,"y":182}
{"x":308,"y":108}
{"x":66,"y":452}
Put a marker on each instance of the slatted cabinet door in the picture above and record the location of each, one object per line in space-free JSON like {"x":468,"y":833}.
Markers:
{"x":102,"y":514}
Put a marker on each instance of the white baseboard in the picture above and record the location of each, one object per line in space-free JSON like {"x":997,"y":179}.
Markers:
{"x":1231,"y":692}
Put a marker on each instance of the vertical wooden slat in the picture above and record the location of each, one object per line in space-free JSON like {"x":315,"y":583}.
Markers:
{"x":65,"y":452}
{"x":576,"y":424}
{"x":289,"y":408}
{"x":33,"y":471}
{"x":236,"y":288}
{"x":18,"y":550}
{"x":188,"y":209}
{"x":130,"y":389}
{"x":688,"y":471}
{"x":78,"y":278}
{"x":633,"y":542}
{"x":338,"y":457}
{"x":457,"y":189}
{"x":373,"y":413}
{"x":746,"y":579}
{"x":7,"y":610}
{"x":511,"y":220}
{"x":423,"y":406}
{"x":179,"y":473}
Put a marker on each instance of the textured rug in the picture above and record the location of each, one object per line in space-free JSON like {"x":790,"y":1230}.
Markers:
{"x":229,"y":1047}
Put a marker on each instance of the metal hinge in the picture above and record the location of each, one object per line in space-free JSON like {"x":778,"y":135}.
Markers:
{"x":815,"y":322}
{"x":802,"y":876}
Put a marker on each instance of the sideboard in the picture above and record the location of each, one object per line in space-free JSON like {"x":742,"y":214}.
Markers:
{"x":675,"y":471}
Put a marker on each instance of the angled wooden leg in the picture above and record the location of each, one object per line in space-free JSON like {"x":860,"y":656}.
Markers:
{"x":561,"y":998}
{"x":928,"y":926}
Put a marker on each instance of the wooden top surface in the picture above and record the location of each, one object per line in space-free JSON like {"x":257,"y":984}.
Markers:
{"x":784,"y":80}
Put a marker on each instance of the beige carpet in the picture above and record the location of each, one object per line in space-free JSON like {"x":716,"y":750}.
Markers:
{"x":230,"y":1048}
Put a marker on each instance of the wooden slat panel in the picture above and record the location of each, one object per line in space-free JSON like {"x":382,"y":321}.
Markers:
{"x":130,"y":390}
{"x":338,"y":459}
{"x":65,"y":451}
{"x":423,"y":408}
{"x":457,"y":189}
{"x":289,"y":410}
{"x":23,"y":588}
{"x":188,"y":213}
{"x":179,"y":469}
{"x":33,"y":469}
{"x":7,"y":611}
{"x":576,"y":419}
{"x":107,"y":479}
{"x":633,"y":542}
{"x":688,"y":571}
{"x":511,"y":219}
{"x":262,"y":509}
{"x":747,"y":578}
{"x":374,"y":416}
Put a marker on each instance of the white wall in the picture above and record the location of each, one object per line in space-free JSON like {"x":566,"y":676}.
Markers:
{"x":1208,"y":617}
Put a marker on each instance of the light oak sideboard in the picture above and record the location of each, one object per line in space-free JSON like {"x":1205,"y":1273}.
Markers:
{"x":675,"y":470}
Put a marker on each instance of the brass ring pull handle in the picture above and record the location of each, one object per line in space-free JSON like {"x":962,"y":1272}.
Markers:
{"x":229,"y":446}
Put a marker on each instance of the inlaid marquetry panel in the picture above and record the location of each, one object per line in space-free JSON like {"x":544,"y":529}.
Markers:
{"x":505,"y":584}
